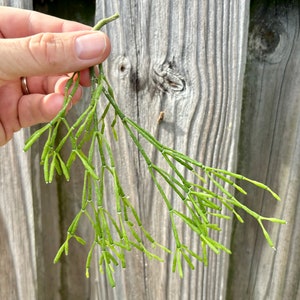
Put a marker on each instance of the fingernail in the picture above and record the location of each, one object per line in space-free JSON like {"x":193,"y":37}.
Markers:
{"x":90,"y":46}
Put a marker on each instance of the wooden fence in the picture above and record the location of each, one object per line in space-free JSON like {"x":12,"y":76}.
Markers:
{"x":226,"y":75}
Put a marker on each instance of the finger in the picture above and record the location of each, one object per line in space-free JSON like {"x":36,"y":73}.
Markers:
{"x":52,"y":53}
{"x":50,"y":84}
{"x":60,"y":87}
{"x":44,"y":84}
{"x":20,"y":23}
{"x":85,"y":79}
{"x":29,"y":110}
{"x":38,"y":108}
{"x":85,"y":76}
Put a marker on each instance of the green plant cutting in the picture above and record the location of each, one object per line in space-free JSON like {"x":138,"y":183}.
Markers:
{"x":119,"y":229}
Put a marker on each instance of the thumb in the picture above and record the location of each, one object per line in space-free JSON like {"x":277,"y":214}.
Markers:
{"x":52,"y":53}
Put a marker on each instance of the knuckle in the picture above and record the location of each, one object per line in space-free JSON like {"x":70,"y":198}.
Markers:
{"x":6,"y":134}
{"x":46,"y":48}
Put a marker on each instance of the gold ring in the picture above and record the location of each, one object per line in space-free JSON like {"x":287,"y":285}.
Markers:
{"x":24,"y":86}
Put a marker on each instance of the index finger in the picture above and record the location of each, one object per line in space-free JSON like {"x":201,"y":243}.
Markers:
{"x":15,"y":22}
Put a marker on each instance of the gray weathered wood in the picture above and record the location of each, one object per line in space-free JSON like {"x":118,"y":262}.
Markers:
{"x":17,"y":236}
{"x":186,"y":59}
{"x":17,"y":243}
{"x":27,"y":4}
{"x":270,"y":152}
{"x":34,"y":219}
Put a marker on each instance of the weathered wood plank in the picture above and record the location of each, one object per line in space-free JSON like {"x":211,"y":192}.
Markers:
{"x":269,"y":151}
{"x":188,"y":61}
{"x":24,"y":264}
{"x":17,"y":243}
{"x":27,"y":4}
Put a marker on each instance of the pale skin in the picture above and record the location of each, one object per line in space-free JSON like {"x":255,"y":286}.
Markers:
{"x":45,"y":50}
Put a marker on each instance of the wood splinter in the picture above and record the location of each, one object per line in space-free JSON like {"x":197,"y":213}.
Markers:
{"x":161,"y":117}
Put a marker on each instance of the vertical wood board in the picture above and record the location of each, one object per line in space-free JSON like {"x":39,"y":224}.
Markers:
{"x":269,"y":151}
{"x":186,"y":59}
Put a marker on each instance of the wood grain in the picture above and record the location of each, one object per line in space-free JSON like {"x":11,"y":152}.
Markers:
{"x":184,"y":60}
{"x":187,"y":61}
{"x":18,"y":264}
{"x":269,"y":151}
{"x":27,"y":4}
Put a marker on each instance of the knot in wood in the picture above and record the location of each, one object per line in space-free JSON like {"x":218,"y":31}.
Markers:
{"x":167,"y":78}
{"x":123,"y":66}
{"x":267,"y":41}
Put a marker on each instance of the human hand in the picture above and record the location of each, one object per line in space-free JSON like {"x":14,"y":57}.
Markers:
{"x":44,"y":50}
